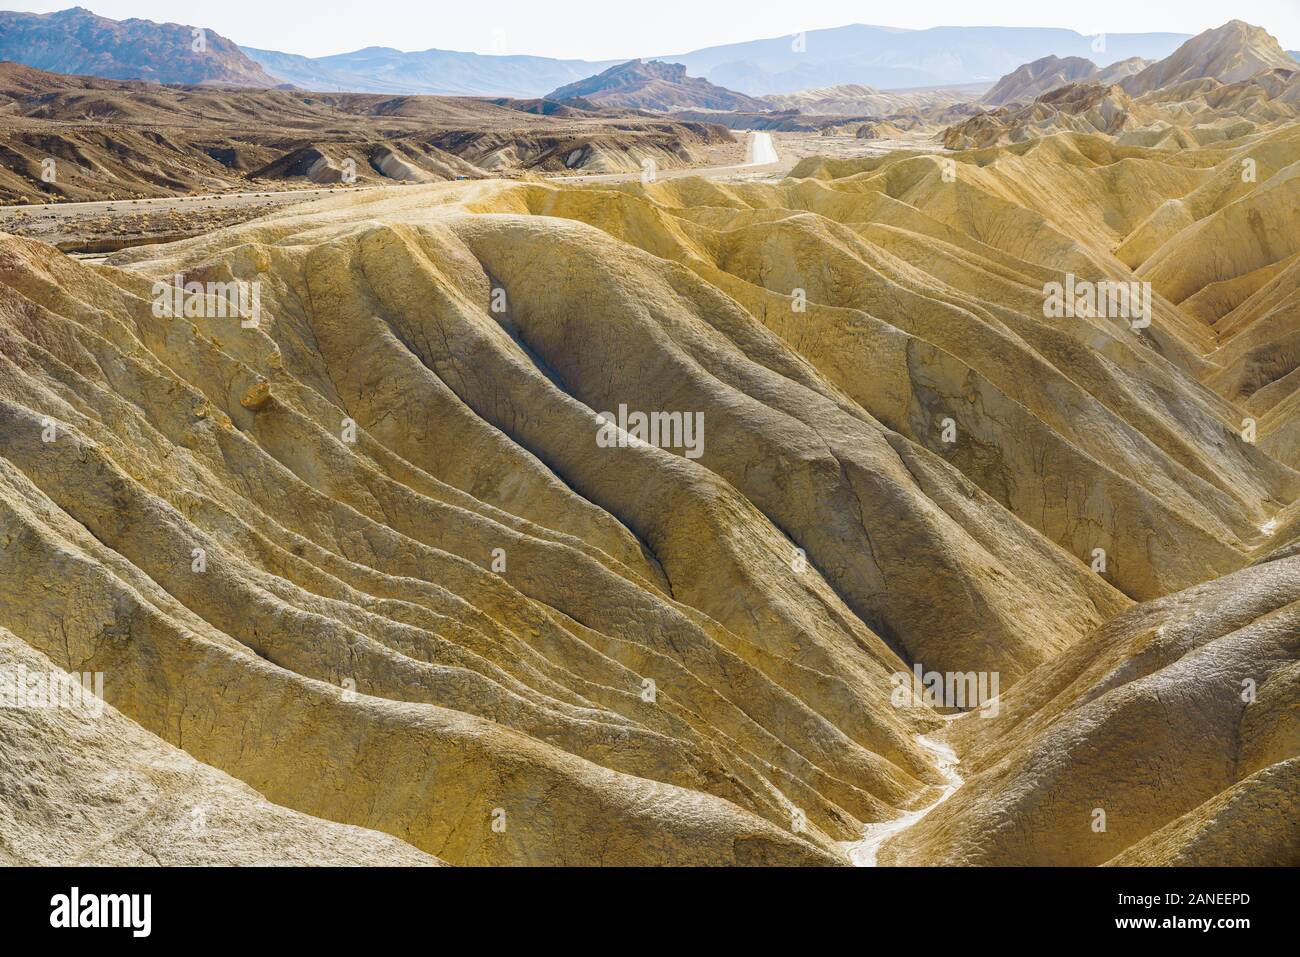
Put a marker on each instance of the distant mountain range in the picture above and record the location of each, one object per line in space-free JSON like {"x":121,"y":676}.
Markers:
{"x":891,"y":59}
{"x":79,"y":42}
{"x":882,"y":57}
{"x":443,"y":72}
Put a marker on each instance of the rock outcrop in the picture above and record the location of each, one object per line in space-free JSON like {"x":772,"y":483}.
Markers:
{"x":1231,"y":53}
{"x":1029,"y":82}
{"x":663,"y":87}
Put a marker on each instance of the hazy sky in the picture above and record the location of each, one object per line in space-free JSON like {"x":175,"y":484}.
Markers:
{"x":627,"y":28}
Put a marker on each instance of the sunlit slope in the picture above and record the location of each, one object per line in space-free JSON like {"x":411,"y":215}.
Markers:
{"x":93,"y":788}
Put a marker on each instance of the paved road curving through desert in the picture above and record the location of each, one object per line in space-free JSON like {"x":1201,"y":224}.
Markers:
{"x":762,"y":151}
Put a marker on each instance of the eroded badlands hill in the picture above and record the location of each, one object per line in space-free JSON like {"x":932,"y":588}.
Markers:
{"x":1218,"y":87}
{"x":1032,"y":80}
{"x":372,"y":558}
{"x":1229,"y":54}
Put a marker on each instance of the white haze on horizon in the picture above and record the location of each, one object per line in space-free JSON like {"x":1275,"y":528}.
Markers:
{"x":622,"y":30}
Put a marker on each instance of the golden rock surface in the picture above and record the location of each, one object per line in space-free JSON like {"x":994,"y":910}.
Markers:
{"x":96,"y":789}
{"x":369,"y":557}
